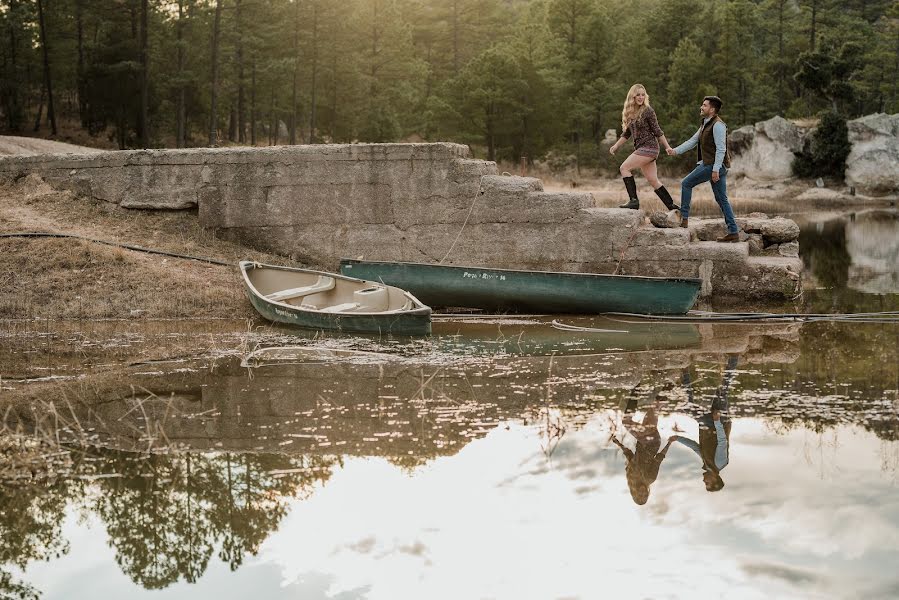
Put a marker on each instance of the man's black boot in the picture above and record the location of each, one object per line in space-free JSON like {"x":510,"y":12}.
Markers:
{"x":631,"y":187}
{"x":666,"y":199}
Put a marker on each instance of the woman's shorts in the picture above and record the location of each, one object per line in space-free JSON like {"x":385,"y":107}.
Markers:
{"x":650,"y":152}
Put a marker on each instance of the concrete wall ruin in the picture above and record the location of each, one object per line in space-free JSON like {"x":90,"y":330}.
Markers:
{"x":411,"y":202}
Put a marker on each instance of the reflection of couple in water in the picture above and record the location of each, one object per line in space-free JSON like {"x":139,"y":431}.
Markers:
{"x":712,"y":447}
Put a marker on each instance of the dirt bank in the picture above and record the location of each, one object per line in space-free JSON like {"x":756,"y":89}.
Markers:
{"x":65,"y":278}
{"x":26,"y":146}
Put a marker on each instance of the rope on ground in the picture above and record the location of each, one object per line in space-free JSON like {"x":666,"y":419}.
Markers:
{"x":705,"y":316}
{"x":485,"y":316}
{"x":566,"y":327}
{"x":37,"y":234}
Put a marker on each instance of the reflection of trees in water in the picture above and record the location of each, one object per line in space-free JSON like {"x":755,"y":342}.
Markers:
{"x":837,"y":380}
{"x":164,"y":514}
{"x":861,"y":252}
{"x":31,"y":518}
{"x":824,"y":252}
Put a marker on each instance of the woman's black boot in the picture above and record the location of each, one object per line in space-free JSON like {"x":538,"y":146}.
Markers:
{"x":631,"y":186}
{"x":666,"y":199}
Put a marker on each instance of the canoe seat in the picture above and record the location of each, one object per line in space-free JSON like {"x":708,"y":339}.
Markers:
{"x":345,"y":307}
{"x":322,"y":284}
{"x":372,"y":299}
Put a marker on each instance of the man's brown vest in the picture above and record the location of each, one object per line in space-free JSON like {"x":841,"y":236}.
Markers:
{"x":705,"y":150}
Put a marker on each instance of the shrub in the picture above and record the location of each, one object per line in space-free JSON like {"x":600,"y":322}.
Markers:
{"x":825,"y":153}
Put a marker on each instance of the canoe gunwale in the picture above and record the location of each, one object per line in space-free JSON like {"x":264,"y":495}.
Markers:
{"x":419,"y":306}
{"x":695,"y":280}
{"x":414,"y":321}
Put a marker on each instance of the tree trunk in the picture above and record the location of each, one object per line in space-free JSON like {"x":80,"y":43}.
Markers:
{"x":814,"y":24}
{"x":781,"y":91}
{"x":334,"y":66}
{"x":253,"y":106}
{"x":241,"y":110}
{"x":296,"y":68}
{"x":273,"y":134}
{"x":373,"y":69}
{"x":232,"y":122}
{"x":144,"y":117}
{"x":895,"y":74}
{"x":181,"y":130}
{"x":455,"y":37}
{"x":215,"y":72}
{"x":314,"y":72}
{"x":79,"y":69}
{"x":572,"y":35}
{"x":48,"y":83}
{"x":491,"y":151}
{"x":40,"y":110}
{"x":12,"y":100}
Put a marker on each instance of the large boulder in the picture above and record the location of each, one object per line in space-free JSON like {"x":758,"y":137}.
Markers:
{"x":873,"y":164}
{"x":765,"y":151}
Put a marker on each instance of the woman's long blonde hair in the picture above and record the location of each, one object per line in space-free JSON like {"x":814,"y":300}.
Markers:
{"x":631,"y":112}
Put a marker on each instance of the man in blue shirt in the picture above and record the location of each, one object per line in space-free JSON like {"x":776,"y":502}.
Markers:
{"x":712,"y":164}
{"x":713,"y":446}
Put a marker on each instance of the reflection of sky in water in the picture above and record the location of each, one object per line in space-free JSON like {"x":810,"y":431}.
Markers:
{"x":802,"y":515}
{"x":478,"y":510}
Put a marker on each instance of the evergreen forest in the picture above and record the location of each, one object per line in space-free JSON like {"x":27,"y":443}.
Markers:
{"x":512,"y":78}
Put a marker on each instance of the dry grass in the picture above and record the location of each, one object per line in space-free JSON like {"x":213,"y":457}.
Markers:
{"x":72,"y":279}
{"x":773,"y":198}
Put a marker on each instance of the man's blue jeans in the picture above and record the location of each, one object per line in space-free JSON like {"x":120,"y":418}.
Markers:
{"x":701,"y":174}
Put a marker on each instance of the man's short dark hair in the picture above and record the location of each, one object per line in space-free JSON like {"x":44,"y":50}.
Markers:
{"x":715,"y":101}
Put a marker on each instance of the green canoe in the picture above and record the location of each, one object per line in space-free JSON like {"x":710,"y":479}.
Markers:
{"x":320,"y":300}
{"x":531,"y":291}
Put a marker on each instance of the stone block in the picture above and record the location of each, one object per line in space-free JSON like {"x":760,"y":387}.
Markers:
{"x":502,"y":185}
{"x":750,"y":224}
{"x":695,"y":251}
{"x":652,"y":236}
{"x":161,"y":201}
{"x":789,"y":249}
{"x":660,"y":268}
{"x":464,"y":170}
{"x":665,"y":219}
{"x":756,"y":244}
{"x":706,"y":230}
{"x":779,"y":230}
{"x":760,"y":277}
{"x":535,"y":207}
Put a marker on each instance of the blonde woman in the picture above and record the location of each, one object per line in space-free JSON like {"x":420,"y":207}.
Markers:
{"x":638,"y":121}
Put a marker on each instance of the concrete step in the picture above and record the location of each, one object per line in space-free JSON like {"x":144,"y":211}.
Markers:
{"x":694,"y":251}
{"x":464,"y":170}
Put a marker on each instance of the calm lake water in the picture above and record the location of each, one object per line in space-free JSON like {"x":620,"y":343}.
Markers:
{"x":500,"y":458}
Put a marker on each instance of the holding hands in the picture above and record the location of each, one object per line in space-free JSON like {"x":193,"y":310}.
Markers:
{"x":670,"y":151}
